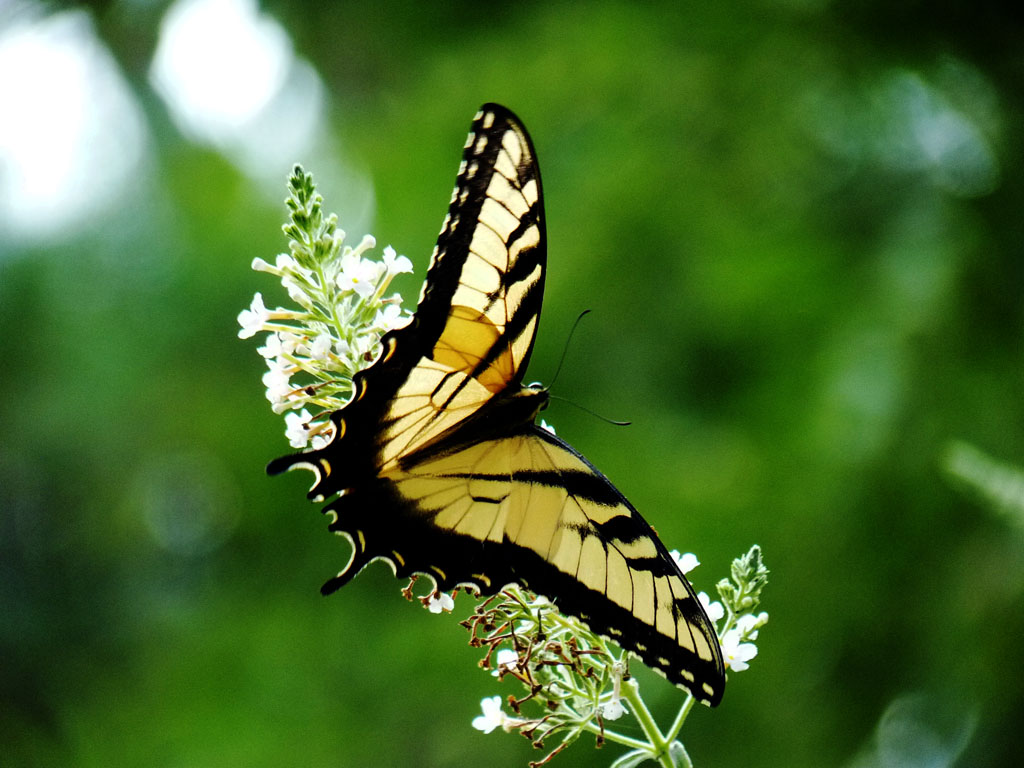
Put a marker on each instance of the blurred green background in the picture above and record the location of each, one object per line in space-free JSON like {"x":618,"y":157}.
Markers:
{"x":799,"y":226}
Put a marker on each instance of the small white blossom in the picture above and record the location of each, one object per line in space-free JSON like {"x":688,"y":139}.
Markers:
{"x":320,"y":347}
{"x":685,"y":562}
{"x":254,"y":318}
{"x":289,"y":342}
{"x":358,"y":275}
{"x":286,"y":263}
{"x":368,"y":242}
{"x":259,"y":265}
{"x":271,"y":348}
{"x":278,"y":344}
{"x":396,"y":265}
{"x":748,"y":624}
{"x":389,"y":317}
{"x":714,"y":610}
{"x":440,"y":601}
{"x":492,"y":716}
{"x":613,"y":710}
{"x":276,"y":380}
{"x":735,"y":652}
{"x":297,"y":428}
{"x":320,"y":439}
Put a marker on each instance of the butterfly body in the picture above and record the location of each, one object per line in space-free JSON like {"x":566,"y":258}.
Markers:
{"x":437,"y":467}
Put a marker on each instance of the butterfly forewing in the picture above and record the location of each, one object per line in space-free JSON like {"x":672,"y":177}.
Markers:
{"x":471,"y":336}
{"x":475,"y":325}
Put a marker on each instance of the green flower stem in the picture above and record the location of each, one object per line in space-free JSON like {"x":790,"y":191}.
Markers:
{"x":618,"y":738}
{"x":657,"y":743}
{"x":677,"y":725}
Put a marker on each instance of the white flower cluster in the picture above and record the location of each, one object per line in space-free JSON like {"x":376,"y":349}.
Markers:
{"x":736,"y":636}
{"x":313,"y":352}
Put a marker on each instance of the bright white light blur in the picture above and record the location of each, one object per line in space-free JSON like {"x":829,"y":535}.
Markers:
{"x":70,"y":130}
{"x":217,"y":64}
{"x":231,"y":81}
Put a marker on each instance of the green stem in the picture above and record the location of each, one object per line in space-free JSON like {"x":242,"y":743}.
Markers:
{"x":657,"y":743}
{"x":618,"y":738}
{"x":677,"y":725}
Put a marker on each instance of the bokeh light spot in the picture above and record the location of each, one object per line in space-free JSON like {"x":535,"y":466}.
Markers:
{"x":71,"y":132}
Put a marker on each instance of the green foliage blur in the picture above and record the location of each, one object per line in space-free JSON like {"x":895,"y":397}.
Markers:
{"x":798,"y":224}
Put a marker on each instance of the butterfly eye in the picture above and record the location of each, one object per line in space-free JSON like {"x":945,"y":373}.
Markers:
{"x":536,"y":386}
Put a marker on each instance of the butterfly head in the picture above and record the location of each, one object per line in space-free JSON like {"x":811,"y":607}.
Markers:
{"x":539,"y":394}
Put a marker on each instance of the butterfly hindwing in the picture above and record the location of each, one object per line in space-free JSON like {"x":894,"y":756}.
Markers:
{"x":528,"y":508}
{"x":437,"y":467}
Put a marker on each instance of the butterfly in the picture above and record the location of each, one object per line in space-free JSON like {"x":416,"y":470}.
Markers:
{"x":437,"y":467}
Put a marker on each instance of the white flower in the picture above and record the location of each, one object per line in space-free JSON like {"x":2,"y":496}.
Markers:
{"x":320,"y":439}
{"x":440,"y":601}
{"x":389,"y":317}
{"x":358,"y":275}
{"x":276,"y":380}
{"x":365,"y":244}
{"x":492,"y":716}
{"x":271,"y":348}
{"x":297,"y":428}
{"x":395,"y":265}
{"x":714,"y":610}
{"x":320,"y":347}
{"x":748,"y":624}
{"x":286,"y":263}
{"x":507,"y":660}
{"x":278,"y":344}
{"x":735,"y":652}
{"x":685,"y":562}
{"x":254,"y":318}
{"x":613,"y":710}
{"x":260,"y":265}
{"x":289,"y":342}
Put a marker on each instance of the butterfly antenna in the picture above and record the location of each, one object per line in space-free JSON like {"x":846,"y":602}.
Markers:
{"x":595,"y":414}
{"x":558,"y":370}
{"x":565,"y":349}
